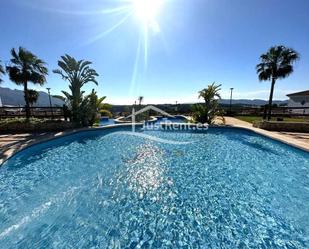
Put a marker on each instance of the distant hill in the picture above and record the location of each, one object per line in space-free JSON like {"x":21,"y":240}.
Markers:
{"x":16,"y":98}
{"x":252,"y":102}
{"x":187,"y":107}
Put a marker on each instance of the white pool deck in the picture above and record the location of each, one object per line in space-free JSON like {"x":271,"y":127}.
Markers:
{"x":12,"y":143}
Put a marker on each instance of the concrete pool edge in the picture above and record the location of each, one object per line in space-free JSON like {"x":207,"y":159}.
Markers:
{"x":272,"y":135}
{"x":45,"y":138}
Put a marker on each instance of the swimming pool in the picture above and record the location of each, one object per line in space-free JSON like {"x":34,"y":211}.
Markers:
{"x":176,"y":119}
{"x":106,"y":121}
{"x":224,"y":188}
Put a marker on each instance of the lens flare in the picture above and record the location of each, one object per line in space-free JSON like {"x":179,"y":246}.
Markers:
{"x":147,"y":10}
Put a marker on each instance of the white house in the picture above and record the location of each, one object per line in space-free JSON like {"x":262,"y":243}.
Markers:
{"x":299,"y":99}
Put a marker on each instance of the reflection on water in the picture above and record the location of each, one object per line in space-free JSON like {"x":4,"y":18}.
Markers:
{"x":223,"y":189}
{"x":144,"y":172}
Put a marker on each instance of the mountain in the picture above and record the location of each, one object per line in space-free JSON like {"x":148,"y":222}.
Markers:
{"x":252,"y":102}
{"x":16,"y":98}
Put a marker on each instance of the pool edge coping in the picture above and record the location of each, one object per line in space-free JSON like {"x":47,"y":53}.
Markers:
{"x":272,"y":135}
{"x":60,"y":134}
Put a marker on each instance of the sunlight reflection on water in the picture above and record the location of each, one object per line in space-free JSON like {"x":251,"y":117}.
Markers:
{"x":144,"y":171}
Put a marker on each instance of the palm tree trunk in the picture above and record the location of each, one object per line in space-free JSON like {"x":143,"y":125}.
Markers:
{"x":273,"y":81}
{"x":206,"y":111}
{"x":27,"y":106}
{"x":75,"y":111}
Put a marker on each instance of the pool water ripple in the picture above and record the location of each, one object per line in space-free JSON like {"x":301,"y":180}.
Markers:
{"x":227,"y":189}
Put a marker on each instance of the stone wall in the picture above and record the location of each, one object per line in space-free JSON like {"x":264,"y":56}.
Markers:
{"x":282,"y":126}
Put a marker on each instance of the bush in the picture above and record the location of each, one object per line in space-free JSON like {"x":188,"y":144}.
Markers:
{"x":106,"y":113}
{"x":34,"y":125}
{"x":206,"y":112}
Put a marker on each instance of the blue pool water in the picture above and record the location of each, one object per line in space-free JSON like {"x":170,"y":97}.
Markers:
{"x":176,"y":119}
{"x":106,"y":121}
{"x":224,"y":188}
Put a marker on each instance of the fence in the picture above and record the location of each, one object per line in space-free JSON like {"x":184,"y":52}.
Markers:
{"x":36,"y":112}
{"x":59,"y":112}
{"x":284,"y":111}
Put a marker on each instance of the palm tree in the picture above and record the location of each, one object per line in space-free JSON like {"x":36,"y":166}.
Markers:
{"x":140,"y":100}
{"x":207,"y":112}
{"x":277,"y":63}
{"x":78,"y":73}
{"x":1,"y":71}
{"x":100,"y":104}
{"x":210,"y":93}
{"x":26,"y":67}
{"x":33,"y":96}
{"x":90,"y":108}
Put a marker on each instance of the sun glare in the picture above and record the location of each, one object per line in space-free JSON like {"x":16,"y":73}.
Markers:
{"x":147,"y":10}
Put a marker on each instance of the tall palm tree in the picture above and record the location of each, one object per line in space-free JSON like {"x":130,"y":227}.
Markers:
{"x":26,"y":67}
{"x":1,"y":71}
{"x":33,"y":96}
{"x":140,"y":100}
{"x":276,"y":63}
{"x":77,"y":73}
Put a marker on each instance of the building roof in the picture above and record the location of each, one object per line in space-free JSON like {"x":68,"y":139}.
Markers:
{"x":303,"y":93}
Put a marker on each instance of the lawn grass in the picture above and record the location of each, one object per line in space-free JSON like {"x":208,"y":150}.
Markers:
{"x":251,"y":119}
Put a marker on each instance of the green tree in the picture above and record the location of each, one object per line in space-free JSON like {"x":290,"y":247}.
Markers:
{"x":59,"y":97}
{"x":1,"y":71}
{"x":107,"y":113}
{"x":77,"y":73}
{"x":33,"y":96}
{"x":105,"y":106}
{"x":206,"y":113}
{"x":100,"y":105}
{"x":90,"y":108}
{"x":276,"y":63}
{"x":26,"y":67}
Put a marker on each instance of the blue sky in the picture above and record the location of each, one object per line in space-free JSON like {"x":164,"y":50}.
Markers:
{"x":198,"y":42}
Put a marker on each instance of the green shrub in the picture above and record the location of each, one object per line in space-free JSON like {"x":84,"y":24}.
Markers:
{"x":206,"y":112}
{"x":34,"y":125}
{"x":106,"y":113}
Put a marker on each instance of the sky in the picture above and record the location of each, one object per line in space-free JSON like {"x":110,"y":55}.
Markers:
{"x":164,"y":50}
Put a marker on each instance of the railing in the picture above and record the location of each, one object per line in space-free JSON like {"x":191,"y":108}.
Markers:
{"x":59,"y":112}
{"x":276,"y":111}
{"x":37,"y":112}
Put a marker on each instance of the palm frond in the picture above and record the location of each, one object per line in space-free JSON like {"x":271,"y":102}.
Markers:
{"x":276,"y":63}
{"x":15,"y":75}
{"x":100,"y":100}
{"x":25,"y":66}
{"x":67,"y":95}
{"x":33,"y":96}
{"x":284,"y":71}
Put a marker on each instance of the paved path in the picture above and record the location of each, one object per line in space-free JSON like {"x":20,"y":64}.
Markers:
{"x":11,"y":143}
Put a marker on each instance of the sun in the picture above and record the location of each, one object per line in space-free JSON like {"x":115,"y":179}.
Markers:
{"x":147,"y":11}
